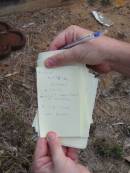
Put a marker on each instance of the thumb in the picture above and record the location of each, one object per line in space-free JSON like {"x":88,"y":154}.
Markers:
{"x":67,"y":57}
{"x":55,"y":147}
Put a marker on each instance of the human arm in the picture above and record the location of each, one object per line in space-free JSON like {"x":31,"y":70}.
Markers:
{"x":103,"y":54}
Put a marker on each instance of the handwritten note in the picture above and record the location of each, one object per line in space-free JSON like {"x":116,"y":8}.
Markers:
{"x":59,"y":99}
{"x":66,"y":97}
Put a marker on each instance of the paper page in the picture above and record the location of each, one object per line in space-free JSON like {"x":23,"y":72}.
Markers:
{"x":69,"y":142}
{"x":89,"y":88}
{"x":80,"y":143}
{"x":59,"y":99}
{"x":65,"y":141}
{"x":35,"y":123}
{"x":86,"y":87}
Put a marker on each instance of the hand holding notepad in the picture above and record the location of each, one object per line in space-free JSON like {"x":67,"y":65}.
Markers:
{"x":66,"y":97}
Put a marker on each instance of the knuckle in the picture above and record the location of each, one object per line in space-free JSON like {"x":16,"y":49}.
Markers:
{"x":72,"y":26}
{"x":70,"y":34}
{"x":72,"y":29}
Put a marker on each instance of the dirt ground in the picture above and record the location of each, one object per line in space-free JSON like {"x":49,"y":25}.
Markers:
{"x":109,"y":140}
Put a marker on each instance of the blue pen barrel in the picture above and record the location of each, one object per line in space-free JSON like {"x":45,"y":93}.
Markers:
{"x":84,"y":39}
{"x":97,"y":34}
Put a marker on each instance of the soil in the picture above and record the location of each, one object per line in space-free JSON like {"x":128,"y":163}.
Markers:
{"x":109,"y":140}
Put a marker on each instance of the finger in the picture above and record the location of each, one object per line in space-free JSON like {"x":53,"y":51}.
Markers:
{"x":73,"y":154}
{"x":56,"y":150}
{"x":69,"y":56}
{"x":58,"y":42}
{"x":69,"y":35}
{"x":64,"y":38}
{"x":64,"y":149}
{"x":41,"y":148}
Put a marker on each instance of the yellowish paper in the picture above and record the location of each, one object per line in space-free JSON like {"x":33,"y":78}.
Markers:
{"x":66,"y":97}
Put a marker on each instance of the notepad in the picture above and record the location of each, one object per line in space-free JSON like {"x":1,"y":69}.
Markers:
{"x":66,"y":98}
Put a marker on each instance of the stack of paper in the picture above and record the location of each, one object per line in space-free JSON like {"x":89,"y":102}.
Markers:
{"x":66,"y":97}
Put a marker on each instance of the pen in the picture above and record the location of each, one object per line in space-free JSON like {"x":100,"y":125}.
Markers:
{"x":85,"y":38}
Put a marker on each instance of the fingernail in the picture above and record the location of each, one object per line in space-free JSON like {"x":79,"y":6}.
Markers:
{"x":50,"y":62}
{"x":51,"y":136}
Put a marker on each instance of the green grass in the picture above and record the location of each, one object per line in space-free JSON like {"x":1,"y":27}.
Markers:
{"x":91,"y":1}
{"x":103,"y":2}
{"x":105,"y":149}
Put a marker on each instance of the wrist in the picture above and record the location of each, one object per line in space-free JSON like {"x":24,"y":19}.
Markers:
{"x":115,"y":53}
{"x":120,"y":57}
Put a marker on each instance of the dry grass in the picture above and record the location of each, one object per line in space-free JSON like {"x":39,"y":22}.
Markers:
{"x":18,"y":101}
{"x":17,"y":144}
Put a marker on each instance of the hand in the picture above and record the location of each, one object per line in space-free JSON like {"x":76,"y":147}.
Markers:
{"x":92,"y":53}
{"x":50,"y":157}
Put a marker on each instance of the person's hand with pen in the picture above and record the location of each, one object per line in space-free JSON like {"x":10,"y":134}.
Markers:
{"x":103,"y":55}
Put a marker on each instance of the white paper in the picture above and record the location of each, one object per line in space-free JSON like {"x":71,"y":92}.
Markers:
{"x":66,"y":97}
{"x":59,"y":99}
{"x":76,"y":142}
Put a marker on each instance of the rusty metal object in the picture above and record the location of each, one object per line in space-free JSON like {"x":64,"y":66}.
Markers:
{"x":10,"y":40}
{"x":16,"y":39}
{"x":4,"y":27}
{"x":5,"y":51}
